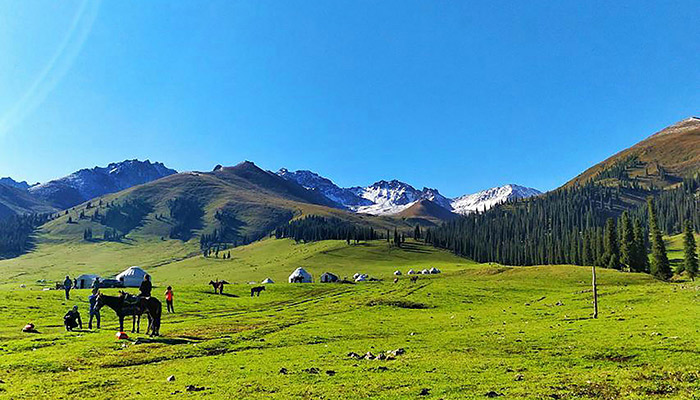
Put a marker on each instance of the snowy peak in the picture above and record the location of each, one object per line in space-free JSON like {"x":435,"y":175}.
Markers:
{"x":87,"y":184}
{"x":313,"y":181}
{"x":486,"y":199}
{"x":394,"y":197}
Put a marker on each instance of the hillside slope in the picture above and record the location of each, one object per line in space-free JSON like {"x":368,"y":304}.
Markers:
{"x":659,"y":161}
{"x":15,"y":201}
{"x":238,"y":204}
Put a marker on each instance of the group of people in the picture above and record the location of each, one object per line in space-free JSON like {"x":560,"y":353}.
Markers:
{"x":72,"y":319}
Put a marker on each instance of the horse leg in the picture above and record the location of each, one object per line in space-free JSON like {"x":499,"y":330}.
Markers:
{"x":121,"y":323}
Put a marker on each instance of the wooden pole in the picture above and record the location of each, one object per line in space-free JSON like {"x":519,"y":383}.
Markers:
{"x":595,"y":296}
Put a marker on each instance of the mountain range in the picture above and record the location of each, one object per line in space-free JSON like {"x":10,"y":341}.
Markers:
{"x":393,"y":197}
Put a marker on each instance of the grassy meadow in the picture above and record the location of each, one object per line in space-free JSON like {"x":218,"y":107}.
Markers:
{"x":475,"y":331}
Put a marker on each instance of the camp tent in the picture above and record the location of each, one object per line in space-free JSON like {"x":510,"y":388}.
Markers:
{"x":329,"y":278}
{"x":300,"y":272}
{"x":361,"y":278}
{"x":132,"y":277}
{"x":411,"y":272}
{"x":434,"y":270}
{"x":397,"y":272}
{"x":85,"y":281}
{"x":268,"y":280}
{"x":425,"y":272}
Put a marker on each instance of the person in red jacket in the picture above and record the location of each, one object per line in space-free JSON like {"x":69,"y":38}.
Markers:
{"x":169,"y":299}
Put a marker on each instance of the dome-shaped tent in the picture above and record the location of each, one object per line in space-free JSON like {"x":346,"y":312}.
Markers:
{"x":85,"y":281}
{"x":328,"y":277}
{"x":411,"y":272}
{"x":397,"y":272}
{"x":132,"y":277}
{"x":425,"y":272}
{"x":361,"y":278}
{"x":300,"y":276}
{"x":267,"y":281}
{"x":434,"y":270}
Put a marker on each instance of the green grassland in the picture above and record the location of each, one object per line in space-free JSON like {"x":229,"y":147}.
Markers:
{"x":473,"y":331}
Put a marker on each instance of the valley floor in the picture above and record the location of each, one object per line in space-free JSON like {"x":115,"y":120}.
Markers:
{"x":474,"y":331}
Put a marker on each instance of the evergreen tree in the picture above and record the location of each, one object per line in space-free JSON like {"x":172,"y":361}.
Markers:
{"x":640,"y":260}
{"x":612,"y":250}
{"x":690,"y":263}
{"x":416,"y":232}
{"x":626,"y":241}
{"x":660,"y":267}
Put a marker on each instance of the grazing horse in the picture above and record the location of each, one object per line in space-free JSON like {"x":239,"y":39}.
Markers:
{"x":414,"y":279}
{"x":256,"y":290}
{"x":218,"y":286}
{"x":298,"y":279}
{"x":122,"y":307}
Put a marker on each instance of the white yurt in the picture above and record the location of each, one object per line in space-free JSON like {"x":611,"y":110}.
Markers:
{"x":267,"y":281}
{"x":361,"y":278}
{"x":434,"y":270}
{"x":356,"y":275}
{"x":411,"y":272}
{"x":132,"y":276}
{"x":425,"y":272}
{"x":300,"y":272}
{"x":328,"y":277}
{"x":397,"y":272}
{"x":85,"y":281}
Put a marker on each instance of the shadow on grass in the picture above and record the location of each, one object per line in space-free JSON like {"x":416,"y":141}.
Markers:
{"x":208,"y":293}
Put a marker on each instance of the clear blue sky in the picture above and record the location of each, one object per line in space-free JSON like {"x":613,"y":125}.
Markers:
{"x":458,"y":95}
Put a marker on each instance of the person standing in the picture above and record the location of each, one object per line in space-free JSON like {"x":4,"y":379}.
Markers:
{"x":169,"y":299}
{"x":67,"y":285}
{"x":94,"y":312}
{"x":146,"y":286}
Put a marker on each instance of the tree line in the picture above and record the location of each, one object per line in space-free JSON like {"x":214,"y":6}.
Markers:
{"x":582,"y":225}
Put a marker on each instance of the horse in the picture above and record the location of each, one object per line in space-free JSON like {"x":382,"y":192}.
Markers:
{"x":151,"y":306}
{"x":414,"y":279}
{"x":218,"y":285}
{"x":256,"y":290}
{"x":396,"y":280}
{"x":298,"y":279}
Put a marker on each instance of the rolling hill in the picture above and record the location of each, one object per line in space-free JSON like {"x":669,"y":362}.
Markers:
{"x":14,"y":201}
{"x":236,"y":204}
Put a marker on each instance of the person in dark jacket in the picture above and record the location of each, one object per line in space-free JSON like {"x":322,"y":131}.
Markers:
{"x":67,"y":285}
{"x":146,"y":286}
{"x":72,"y":319}
{"x":94,"y":312}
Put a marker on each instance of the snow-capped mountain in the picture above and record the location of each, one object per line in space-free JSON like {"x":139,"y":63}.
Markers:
{"x":87,"y":184}
{"x":7,"y":181}
{"x":393,"y":197}
{"x":313,"y":181}
{"x":486,"y":199}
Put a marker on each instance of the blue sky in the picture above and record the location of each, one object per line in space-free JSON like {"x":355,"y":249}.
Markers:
{"x":456,"y":95}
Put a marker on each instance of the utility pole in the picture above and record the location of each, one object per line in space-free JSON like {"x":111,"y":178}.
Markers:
{"x":595,"y":295}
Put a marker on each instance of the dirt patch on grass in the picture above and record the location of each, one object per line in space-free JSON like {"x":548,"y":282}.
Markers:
{"x":411,"y":305}
{"x":614,"y":357}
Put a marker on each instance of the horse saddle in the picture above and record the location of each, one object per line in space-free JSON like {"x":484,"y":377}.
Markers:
{"x":131,"y":300}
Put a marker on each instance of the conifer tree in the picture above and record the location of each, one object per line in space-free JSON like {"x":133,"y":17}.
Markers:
{"x":612,"y":250}
{"x":690,"y":263}
{"x":660,"y":267}
{"x":626,"y":241}
{"x":640,"y":260}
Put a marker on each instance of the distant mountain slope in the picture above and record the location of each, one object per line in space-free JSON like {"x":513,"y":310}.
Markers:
{"x":7,"y":181}
{"x":88,"y":184}
{"x":17,"y":201}
{"x":661,"y":160}
{"x":426,"y":210}
{"x":486,"y":199}
{"x":313,"y":181}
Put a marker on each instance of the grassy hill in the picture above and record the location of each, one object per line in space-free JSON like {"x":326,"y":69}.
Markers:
{"x":475,"y":331}
{"x":661,"y":160}
{"x":15,"y":201}
{"x":242,"y":202}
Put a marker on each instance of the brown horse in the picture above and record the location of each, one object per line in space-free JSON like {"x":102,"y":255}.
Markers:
{"x":123,"y":307}
{"x":414,"y":279}
{"x":218,"y":286}
{"x":256,"y":290}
